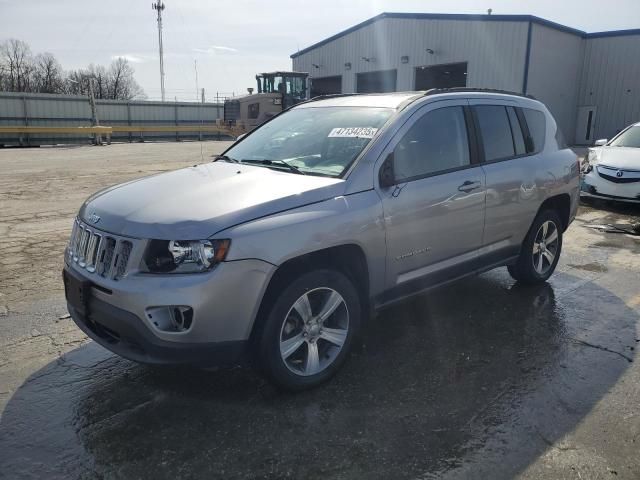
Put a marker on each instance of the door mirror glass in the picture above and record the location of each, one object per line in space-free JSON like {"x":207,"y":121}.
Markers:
{"x":387,"y":175}
{"x":601,"y":142}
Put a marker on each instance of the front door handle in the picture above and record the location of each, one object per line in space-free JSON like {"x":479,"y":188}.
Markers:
{"x":468,"y":186}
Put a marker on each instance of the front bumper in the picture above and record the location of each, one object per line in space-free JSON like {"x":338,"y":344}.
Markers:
{"x":126,"y":335}
{"x":225,"y":301}
{"x":593,"y":185}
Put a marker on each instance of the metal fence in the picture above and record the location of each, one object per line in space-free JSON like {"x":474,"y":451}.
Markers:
{"x":48,"y":110}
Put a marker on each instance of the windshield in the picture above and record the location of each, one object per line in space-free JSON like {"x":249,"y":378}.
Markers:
{"x":317,"y":140}
{"x":628,"y":138}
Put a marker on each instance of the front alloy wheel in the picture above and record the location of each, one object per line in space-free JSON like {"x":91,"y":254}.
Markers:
{"x":314,"y":331}
{"x":309,"y":329}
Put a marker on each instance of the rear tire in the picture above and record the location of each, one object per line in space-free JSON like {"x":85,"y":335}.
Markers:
{"x":309,"y":329}
{"x":540,"y":250}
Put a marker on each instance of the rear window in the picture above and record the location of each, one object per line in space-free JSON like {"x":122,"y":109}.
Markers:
{"x":537,"y":127}
{"x":496,"y":132}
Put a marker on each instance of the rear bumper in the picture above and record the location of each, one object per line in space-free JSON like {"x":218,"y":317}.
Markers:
{"x":125,"y":334}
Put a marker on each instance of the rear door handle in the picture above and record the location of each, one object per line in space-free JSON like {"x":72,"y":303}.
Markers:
{"x":468,"y":186}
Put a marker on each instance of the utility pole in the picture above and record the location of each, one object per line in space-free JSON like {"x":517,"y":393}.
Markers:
{"x":97,"y":138}
{"x":159,"y":7}
{"x":200,"y":114}
{"x":195,"y":66}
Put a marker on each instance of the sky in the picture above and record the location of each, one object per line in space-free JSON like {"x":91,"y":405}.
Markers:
{"x":231,"y":41}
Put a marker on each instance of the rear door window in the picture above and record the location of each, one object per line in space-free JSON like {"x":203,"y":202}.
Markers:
{"x":495,"y":131}
{"x":537,"y":127}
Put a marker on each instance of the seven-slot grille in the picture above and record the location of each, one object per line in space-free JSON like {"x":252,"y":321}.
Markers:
{"x":98,"y":252}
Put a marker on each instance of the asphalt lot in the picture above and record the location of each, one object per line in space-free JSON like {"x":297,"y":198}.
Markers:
{"x":483,"y":379}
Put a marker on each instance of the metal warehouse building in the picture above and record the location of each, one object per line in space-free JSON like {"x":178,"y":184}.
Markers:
{"x":590,"y":81}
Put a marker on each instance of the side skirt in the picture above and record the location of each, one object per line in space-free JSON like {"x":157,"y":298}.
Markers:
{"x":445,"y":277}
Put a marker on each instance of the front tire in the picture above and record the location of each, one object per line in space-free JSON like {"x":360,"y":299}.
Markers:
{"x":309,"y":330}
{"x":540,"y":250}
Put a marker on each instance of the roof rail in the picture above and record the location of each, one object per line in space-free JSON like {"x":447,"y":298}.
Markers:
{"x":332,"y":95}
{"x":435,"y":91}
{"x":324,"y":97}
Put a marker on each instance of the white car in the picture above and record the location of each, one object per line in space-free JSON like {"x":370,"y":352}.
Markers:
{"x":611,"y":169}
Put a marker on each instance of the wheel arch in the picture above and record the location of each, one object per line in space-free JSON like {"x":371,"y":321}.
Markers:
{"x":561,"y":204}
{"x":348,"y":259}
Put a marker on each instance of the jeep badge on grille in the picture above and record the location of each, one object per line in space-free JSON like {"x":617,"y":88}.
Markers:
{"x":94,"y":218}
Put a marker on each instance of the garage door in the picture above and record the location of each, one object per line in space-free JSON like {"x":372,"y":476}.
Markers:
{"x":377,"y":82}
{"x":450,"y":75}
{"x":326,"y":85}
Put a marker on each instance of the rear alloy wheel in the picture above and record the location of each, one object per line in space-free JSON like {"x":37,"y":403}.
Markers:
{"x":309,"y":330}
{"x":540,"y":250}
{"x":545,"y":247}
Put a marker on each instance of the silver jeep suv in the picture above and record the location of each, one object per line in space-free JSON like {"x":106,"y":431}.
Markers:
{"x":282,"y":246}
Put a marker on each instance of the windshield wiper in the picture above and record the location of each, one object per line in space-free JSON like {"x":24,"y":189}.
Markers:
{"x":226,"y":159}
{"x":290,"y":167}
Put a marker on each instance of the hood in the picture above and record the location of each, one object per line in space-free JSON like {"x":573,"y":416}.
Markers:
{"x":196,"y":202}
{"x":624,"y":158}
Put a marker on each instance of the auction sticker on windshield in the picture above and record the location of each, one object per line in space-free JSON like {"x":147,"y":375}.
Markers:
{"x":353,"y":132}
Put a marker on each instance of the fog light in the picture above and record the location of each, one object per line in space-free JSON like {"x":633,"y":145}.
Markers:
{"x":171,"y":318}
{"x":182,"y":317}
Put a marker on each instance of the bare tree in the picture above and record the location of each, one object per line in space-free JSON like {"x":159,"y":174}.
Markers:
{"x":99,"y":78}
{"x":21,"y":72}
{"x":122,"y":85}
{"x":47,"y":74}
{"x":17,"y":65}
{"x":74,"y":82}
{"x":77,"y":81}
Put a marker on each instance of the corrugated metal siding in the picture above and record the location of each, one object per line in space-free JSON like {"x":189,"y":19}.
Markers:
{"x":112,"y":112}
{"x":495,"y":51}
{"x":611,"y":82}
{"x":42,"y":110}
{"x":555,"y":66}
{"x":74,"y":111}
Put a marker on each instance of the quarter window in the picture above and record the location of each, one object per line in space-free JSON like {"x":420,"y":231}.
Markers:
{"x":516,"y":130}
{"x":435,"y":143}
{"x":496,"y":132}
{"x":537,"y":127}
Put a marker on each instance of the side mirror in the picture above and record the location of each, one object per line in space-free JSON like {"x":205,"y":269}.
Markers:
{"x":602,"y":142}
{"x":387,"y":174}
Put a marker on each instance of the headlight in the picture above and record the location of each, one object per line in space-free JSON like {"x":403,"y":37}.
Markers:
{"x":184,"y":256}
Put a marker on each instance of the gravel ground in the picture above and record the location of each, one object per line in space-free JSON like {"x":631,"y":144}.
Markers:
{"x":483,"y":379}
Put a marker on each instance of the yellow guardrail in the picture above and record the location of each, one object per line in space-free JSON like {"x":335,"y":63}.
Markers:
{"x":73,"y":130}
{"x":179,"y":128}
{"x":107,"y":131}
